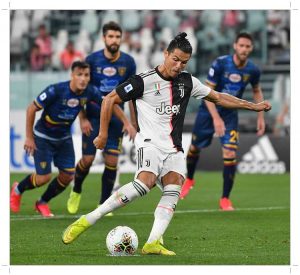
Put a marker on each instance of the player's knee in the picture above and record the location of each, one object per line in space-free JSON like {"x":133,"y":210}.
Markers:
{"x":111,"y":160}
{"x":229,"y":154}
{"x":42,"y":179}
{"x":193,"y":151}
{"x":173,"y":178}
{"x":87,"y":161}
{"x":65,"y":178}
{"x":148,"y":178}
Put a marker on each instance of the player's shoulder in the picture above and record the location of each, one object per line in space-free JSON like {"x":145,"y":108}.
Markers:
{"x":92,"y":89}
{"x":94,"y":54}
{"x":222,"y":60}
{"x":147,"y":73}
{"x":92,"y":92}
{"x":252,"y":65}
{"x":127,"y":56}
{"x":59,"y":86}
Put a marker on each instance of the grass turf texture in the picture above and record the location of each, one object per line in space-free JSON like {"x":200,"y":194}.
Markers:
{"x":257,"y":233}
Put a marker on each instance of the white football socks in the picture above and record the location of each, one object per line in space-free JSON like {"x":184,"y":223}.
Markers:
{"x":127,"y":193}
{"x":164,"y":211}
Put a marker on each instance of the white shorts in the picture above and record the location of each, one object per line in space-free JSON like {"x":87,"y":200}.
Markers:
{"x":151,"y":159}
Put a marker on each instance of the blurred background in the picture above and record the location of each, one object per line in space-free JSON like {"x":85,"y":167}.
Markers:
{"x":43,"y":44}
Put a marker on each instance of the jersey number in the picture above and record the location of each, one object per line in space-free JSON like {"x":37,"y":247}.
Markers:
{"x":234,"y":136}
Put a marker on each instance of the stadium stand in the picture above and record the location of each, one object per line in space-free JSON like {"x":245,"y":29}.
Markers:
{"x":146,"y":33}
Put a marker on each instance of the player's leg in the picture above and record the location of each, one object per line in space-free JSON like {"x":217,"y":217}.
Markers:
{"x":191,"y":163}
{"x":81,"y":171}
{"x":112,"y":151}
{"x":230,"y":145}
{"x":109,"y":175}
{"x":64,"y":160}
{"x":42,"y":161}
{"x":83,"y":167}
{"x":126,"y":194}
{"x":31,"y":181}
{"x":172,"y":178}
{"x":144,"y":180}
{"x":56,"y":186}
{"x":201,"y":137}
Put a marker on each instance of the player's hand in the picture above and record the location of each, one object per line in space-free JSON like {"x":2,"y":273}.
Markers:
{"x":29,"y":146}
{"x":261,"y":126}
{"x":129,"y":130}
{"x":263,"y":106}
{"x":100,"y":141}
{"x":219,"y":127}
{"x":86,"y":127}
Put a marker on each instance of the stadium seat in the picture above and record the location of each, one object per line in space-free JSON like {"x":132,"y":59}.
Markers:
{"x":130,"y":20}
{"x":89,"y":21}
{"x":110,"y":15}
{"x":83,"y":42}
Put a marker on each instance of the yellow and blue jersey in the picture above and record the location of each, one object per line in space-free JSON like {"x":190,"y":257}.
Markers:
{"x":60,"y":108}
{"x":107,"y":74}
{"x":226,"y":77}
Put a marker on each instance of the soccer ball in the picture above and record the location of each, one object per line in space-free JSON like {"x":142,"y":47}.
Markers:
{"x":122,"y":241}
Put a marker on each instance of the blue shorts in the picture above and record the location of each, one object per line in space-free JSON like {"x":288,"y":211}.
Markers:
{"x":204,"y":130}
{"x":61,"y":152}
{"x":114,"y":140}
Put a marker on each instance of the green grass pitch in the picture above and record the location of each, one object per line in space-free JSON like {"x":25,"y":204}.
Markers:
{"x":257,"y":233}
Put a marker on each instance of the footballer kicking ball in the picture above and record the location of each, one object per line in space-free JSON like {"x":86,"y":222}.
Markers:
{"x":122,"y":241}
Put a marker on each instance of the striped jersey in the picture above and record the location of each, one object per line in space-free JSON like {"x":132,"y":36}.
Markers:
{"x":160,"y":106}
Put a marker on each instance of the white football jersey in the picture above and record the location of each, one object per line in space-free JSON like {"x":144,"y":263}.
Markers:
{"x":160,"y":106}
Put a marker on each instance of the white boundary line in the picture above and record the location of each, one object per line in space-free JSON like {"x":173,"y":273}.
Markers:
{"x":58,"y":217}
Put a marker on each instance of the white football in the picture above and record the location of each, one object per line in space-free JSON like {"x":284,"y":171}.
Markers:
{"x":122,"y":241}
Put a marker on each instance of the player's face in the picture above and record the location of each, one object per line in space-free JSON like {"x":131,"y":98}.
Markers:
{"x":80,"y":79}
{"x":175,"y":62}
{"x":243,"y":47}
{"x":112,"y":41}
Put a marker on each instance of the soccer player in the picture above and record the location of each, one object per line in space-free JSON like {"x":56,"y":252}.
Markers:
{"x":51,"y":139}
{"x":228,"y":74}
{"x":109,"y":68}
{"x":160,"y":97}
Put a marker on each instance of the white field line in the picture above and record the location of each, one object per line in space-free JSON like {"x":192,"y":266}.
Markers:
{"x":58,"y":217}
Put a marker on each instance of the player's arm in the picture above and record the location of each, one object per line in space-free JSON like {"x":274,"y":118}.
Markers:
{"x":106,"y":112}
{"x":127,"y":126}
{"x":258,"y":97}
{"x":29,"y":145}
{"x":219,"y":125}
{"x":85,"y":124}
{"x":131,"y":89}
{"x":232,"y":102}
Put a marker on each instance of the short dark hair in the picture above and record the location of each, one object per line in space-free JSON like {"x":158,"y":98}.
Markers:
{"x":80,"y":65}
{"x":243,"y":35}
{"x":180,"y":42}
{"x":111,"y":26}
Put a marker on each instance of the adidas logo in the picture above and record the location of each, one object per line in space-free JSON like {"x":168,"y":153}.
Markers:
{"x":262,"y":159}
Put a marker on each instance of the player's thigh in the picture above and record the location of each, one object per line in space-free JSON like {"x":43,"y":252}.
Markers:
{"x":88,"y":147}
{"x":64,"y":158}
{"x":149,"y":159}
{"x":203,"y":131}
{"x":230,"y":143}
{"x":174,"y":169}
{"x":43,"y":156}
{"x":113,"y":146}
